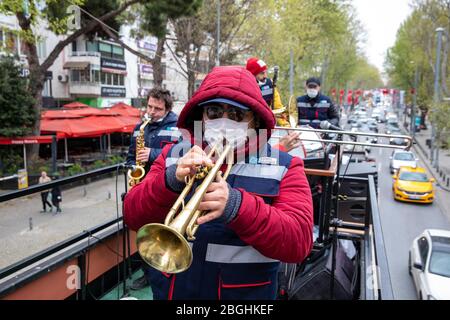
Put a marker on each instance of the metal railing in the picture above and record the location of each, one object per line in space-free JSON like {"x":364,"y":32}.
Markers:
{"x":374,"y":241}
{"x":26,"y":270}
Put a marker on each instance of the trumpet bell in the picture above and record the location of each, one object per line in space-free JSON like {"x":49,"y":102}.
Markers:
{"x":163,"y":248}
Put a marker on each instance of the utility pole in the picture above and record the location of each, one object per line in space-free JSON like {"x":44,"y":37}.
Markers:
{"x":436,"y":98}
{"x":414,"y":105}
{"x":218,"y":35}
{"x":291,"y":74}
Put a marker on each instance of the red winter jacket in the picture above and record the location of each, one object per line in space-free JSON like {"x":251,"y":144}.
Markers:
{"x":281,"y":230}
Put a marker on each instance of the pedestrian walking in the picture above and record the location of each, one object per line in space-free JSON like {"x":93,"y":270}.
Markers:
{"x":56,"y":197}
{"x":44,"y":178}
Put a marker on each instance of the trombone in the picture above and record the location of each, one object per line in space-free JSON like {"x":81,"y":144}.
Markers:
{"x":164,"y":246}
{"x":355,"y":143}
{"x":293,"y":120}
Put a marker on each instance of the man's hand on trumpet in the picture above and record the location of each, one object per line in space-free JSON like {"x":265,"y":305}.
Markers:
{"x":187,"y":165}
{"x":214,"y":201}
{"x":217,"y":194}
{"x":290,"y":141}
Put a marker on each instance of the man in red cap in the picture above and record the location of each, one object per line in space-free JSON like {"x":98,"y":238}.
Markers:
{"x":258,"y":68}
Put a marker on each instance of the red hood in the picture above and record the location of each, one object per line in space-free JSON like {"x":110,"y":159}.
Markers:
{"x":232,"y":82}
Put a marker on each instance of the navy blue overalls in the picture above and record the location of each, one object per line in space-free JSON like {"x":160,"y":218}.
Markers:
{"x":312,"y":111}
{"x":224,"y":267}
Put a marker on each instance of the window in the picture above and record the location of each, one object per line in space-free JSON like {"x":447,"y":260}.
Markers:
{"x":74,"y":46}
{"x":96,"y":75}
{"x":116,"y":79}
{"x":105,"y":49}
{"x":163,"y":71}
{"x":121,"y":80}
{"x":75,"y":75}
{"x":11,"y":43}
{"x":117,"y":52}
{"x":413,"y":176}
{"x":103,"y":77}
{"x":423,"y":249}
{"x":92,"y":46}
{"x":404,"y":156}
{"x":440,"y":263}
{"x":42,"y":50}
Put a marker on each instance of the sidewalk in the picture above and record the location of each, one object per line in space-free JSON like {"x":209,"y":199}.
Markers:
{"x":442,"y":174}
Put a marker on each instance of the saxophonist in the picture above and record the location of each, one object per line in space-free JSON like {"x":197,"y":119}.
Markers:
{"x":159,"y":131}
{"x":260,"y":215}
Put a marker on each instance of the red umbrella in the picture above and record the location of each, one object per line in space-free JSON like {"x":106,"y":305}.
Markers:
{"x":59,"y":114}
{"x":75,"y":105}
{"x":125,"y":109}
{"x":87,"y":127}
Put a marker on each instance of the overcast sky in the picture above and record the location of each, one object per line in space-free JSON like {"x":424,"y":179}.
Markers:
{"x":381,"y":19}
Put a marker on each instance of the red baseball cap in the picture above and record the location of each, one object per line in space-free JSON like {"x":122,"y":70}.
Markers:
{"x":256,"y":66}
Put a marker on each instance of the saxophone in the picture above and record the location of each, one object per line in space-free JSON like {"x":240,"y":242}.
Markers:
{"x":138,"y":172}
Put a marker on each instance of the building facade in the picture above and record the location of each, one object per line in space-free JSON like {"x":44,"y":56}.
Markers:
{"x":95,"y":71}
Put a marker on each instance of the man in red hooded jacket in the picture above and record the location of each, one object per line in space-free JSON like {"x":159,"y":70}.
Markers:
{"x":260,"y":215}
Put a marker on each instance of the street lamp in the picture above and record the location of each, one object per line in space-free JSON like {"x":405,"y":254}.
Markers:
{"x":414,"y":104}
{"x":435,"y":150}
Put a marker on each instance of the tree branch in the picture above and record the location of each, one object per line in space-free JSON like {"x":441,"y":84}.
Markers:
{"x":91,"y":26}
{"x":177,"y":60}
{"x":116,"y":39}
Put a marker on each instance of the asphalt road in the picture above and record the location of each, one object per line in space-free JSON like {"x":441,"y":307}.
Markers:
{"x":401,"y":223}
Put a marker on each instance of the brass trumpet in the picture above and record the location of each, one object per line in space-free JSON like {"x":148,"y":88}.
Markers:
{"x":164,"y":246}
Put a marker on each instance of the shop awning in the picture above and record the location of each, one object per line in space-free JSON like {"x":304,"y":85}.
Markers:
{"x":76,"y":65}
{"x":26,"y":140}
{"x":117,"y":71}
{"x":75,"y":105}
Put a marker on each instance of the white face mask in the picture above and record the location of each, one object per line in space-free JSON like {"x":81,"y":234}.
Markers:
{"x":235,"y":133}
{"x":312,"y":93}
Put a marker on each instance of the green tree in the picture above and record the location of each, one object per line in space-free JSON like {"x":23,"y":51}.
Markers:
{"x":17,"y":114}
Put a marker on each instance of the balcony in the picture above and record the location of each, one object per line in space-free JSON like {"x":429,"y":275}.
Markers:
{"x":85,"y":88}
{"x":82,"y":59}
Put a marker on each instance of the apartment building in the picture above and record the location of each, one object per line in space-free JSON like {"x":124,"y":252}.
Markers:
{"x":95,"y":71}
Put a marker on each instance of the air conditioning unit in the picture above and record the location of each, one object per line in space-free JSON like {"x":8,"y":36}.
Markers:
{"x":63,"y":78}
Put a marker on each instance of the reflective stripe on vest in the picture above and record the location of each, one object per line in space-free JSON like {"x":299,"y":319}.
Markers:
{"x":317,"y":105}
{"x":171,"y":161}
{"x":266,"y":91}
{"x":234,"y":254}
{"x":259,"y":171}
{"x":170,"y":133}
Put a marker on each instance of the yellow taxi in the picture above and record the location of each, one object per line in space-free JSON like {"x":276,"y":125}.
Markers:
{"x":413,"y":185}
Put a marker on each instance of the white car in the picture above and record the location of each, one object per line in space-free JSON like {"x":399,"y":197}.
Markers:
{"x":401,"y":158}
{"x":429,"y":264}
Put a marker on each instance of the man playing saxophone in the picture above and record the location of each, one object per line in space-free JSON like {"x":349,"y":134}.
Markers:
{"x":259,"y":215}
{"x":146,"y":144}
{"x":161,"y":129}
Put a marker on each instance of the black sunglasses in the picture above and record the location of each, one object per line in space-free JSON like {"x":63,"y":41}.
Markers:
{"x":216,"y":111}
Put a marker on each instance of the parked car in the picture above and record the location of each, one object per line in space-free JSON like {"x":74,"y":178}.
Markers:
{"x":413,"y":185}
{"x":429,"y":264}
{"x":391,"y":129}
{"x":402,"y":159}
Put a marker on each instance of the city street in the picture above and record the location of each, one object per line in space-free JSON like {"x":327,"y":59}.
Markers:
{"x":401,"y":223}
